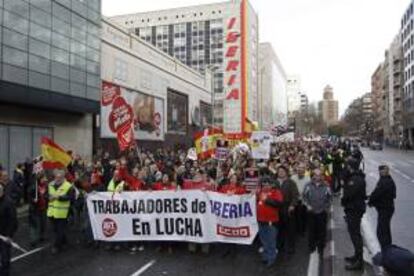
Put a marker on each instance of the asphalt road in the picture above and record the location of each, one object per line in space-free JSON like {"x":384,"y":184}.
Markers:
{"x":402,"y":171}
{"x":78,"y":260}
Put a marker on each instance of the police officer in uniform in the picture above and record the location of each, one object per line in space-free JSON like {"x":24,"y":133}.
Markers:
{"x":353,"y":201}
{"x":60,"y":194}
{"x":382,"y":198}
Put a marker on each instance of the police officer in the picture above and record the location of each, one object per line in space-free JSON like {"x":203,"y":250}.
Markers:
{"x":60,"y":194}
{"x":382,"y":198}
{"x":353,"y":201}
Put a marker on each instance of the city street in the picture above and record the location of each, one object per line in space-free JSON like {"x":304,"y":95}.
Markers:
{"x":401,"y":164}
{"x":78,"y":260}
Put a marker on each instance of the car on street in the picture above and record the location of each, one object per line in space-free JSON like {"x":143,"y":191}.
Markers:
{"x":376,"y":146}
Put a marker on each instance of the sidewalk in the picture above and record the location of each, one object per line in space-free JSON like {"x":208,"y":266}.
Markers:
{"x":343,"y":245}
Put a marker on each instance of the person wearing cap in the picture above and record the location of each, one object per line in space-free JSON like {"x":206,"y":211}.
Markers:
{"x":382,"y":198}
{"x":353,"y":201}
{"x":270,"y":199}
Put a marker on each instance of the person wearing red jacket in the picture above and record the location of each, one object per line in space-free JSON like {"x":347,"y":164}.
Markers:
{"x":165,"y":184}
{"x":233,"y":187}
{"x":270,"y":199}
{"x":134,"y":182}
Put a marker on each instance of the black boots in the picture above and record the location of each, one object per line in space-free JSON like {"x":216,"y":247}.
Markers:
{"x":354,"y":263}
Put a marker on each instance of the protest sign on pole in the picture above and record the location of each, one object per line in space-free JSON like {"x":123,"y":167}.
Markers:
{"x":251,"y":179}
{"x":222,"y":149}
{"x":260,"y":144}
{"x":193,"y":216}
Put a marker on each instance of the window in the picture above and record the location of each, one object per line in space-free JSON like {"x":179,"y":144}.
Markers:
{"x":39,"y":64}
{"x":121,"y":70}
{"x":40,"y":33}
{"x":78,"y":34}
{"x":78,"y":62}
{"x":61,"y":12}
{"x":14,"y":39}
{"x":18,"y":7}
{"x":60,"y":26}
{"x":15,"y":22}
{"x":92,"y":67}
{"x":60,"y":55}
{"x":60,"y":41}
{"x":40,"y":17}
{"x":39,"y":48}
{"x":14,"y":56}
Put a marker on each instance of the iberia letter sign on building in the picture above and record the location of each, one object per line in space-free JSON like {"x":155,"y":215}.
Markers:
{"x":240,"y":69}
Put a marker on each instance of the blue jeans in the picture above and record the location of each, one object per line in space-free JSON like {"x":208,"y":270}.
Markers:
{"x":268,"y":236}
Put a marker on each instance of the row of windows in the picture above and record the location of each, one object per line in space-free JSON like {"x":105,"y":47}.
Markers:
{"x":43,"y":81}
{"x":36,"y":62}
{"x":42,"y":11}
{"x":128,"y":22}
{"x":407,"y":15}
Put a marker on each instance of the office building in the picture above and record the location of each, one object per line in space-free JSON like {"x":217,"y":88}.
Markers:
{"x":272,"y":88}
{"x":221,"y":36}
{"x":49,"y":76}
{"x":392,"y":87}
{"x":407,"y":39}
{"x":293,"y":95}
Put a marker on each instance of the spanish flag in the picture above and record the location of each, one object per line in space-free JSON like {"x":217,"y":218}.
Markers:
{"x":54,"y":157}
{"x":206,"y":142}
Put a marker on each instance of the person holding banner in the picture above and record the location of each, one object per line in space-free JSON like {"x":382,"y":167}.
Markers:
{"x":8,"y":226}
{"x":165,"y":185}
{"x":270,"y":199}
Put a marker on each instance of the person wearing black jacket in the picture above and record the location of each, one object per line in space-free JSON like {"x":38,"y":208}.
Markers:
{"x":8,"y":226}
{"x":382,"y":198}
{"x":353,"y":201}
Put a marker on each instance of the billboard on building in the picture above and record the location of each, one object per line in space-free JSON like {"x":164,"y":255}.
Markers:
{"x":233,"y":104}
{"x":145,"y":112}
{"x":177,"y":112}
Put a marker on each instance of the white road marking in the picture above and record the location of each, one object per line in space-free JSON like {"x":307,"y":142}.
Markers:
{"x":27,"y":254}
{"x":144,"y":268}
{"x":313,"y":268}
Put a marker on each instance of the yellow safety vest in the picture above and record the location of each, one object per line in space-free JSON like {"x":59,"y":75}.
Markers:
{"x":58,"y":209}
{"x":115,"y":188}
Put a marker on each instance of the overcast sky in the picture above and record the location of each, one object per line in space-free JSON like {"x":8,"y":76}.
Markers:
{"x":336,"y":42}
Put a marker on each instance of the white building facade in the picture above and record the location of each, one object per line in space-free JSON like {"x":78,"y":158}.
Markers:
{"x":220,"y":36}
{"x":293,"y":94}
{"x":169,"y":100}
{"x":272,"y":89}
{"x":407,"y":38}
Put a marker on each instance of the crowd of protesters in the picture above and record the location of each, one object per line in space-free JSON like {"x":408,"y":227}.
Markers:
{"x":294,"y":190}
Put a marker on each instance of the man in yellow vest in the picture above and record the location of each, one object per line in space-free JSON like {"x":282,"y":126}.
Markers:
{"x":60,"y":194}
{"x":116,"y":185}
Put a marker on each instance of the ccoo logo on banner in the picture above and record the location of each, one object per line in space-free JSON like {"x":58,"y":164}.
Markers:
{"x":193,"y":216}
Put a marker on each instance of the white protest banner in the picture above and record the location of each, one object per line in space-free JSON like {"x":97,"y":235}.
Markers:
{"x":260,"y":143}
{"x":193,"y":216}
